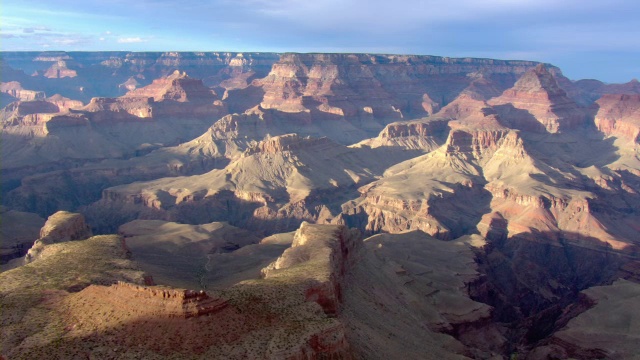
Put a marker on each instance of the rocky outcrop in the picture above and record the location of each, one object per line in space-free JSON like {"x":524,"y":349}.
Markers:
{"x":129,"y":85}
{"x":119,"y":109}
{"x":60,"y":227}
{"x":157,"y":301}
{"x":426,"y":135}
{"x":14,"y":89}
{"x":63,"y":103}
{"x":325,"y":252}
{"x":619,"y":115}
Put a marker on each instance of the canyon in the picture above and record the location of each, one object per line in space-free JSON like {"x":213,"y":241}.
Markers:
{"x":295,"y":206}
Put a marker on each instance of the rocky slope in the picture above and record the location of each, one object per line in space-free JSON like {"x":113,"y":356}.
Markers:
{"x":190,"y":256}
{"x":276,"y":184}
{"x":608,"y":329}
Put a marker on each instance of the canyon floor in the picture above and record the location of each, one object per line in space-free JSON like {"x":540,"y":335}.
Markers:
{"x":315,"y":206}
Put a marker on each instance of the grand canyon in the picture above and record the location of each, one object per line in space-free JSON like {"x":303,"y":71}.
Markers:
{"x":228,"y":205}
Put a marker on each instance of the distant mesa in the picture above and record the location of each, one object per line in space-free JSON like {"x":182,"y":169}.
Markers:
{"x":15,"y":89}
{"x":619,"y":115}
{"x":176,"y":87}
{"x":60,"y":70}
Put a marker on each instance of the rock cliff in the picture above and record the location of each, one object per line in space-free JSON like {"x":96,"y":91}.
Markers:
{"x":619,"y":115}
{"x":60,"y":227}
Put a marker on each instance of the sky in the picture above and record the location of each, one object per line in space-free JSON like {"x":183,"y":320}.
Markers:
{"x":585,"y":38}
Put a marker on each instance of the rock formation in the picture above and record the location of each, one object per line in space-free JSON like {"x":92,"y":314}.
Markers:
{"x":324,"y":252}
{"x":619,"y":115}
{"x":60,"y":227}
{"x":59,"y":70}
{"x":537,"y":98}
{"x":154,"y":301}
{"x":14,"y":89}
{"x":249,"y":189}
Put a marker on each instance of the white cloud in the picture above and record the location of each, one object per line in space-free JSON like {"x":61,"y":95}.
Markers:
{"x":131,"y":40}
{"x":69,"y":41}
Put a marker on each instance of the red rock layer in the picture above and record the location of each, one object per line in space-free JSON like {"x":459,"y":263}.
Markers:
{"x":177,"y":87}
{"x":159,"y":301}
{"x":619,"y":115}
{"x":538,"y":94}
{"x":382,"y":86}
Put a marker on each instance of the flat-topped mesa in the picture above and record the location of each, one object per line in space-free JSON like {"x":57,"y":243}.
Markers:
{"x":23,"y":108}
{"x":324,"y":253}
{"x":60,"y":70}
{"x":63,"y":103}
{"x":546,"y":106}
{"x":15,"y":89}
{"x":36,"y":112}
{"x":619,"y":115}
{"x":477,"y":142}
{"x":176,"y":87}
{"x":161,"y":301}
{"x":432,"y":127}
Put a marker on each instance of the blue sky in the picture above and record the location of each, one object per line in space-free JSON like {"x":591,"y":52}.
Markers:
{"x":586,"y":38}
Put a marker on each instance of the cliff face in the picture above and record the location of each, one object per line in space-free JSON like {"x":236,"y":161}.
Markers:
{"x":376,"y":86}
{"x":619,"y":115}
{"x":538,"y":94}
{"x":60,"y":227}
{"x":326,"y":251}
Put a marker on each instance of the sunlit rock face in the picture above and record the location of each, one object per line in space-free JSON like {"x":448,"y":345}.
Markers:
{"x":619,"y":115}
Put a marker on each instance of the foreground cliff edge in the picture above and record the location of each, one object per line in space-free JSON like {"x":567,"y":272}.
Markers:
{"x":330,"y":294}
{"x":86,"y":297}
{"x":498,"y":202}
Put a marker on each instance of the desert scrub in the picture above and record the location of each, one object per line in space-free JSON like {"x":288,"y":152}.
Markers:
{"x":73,"y":265}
